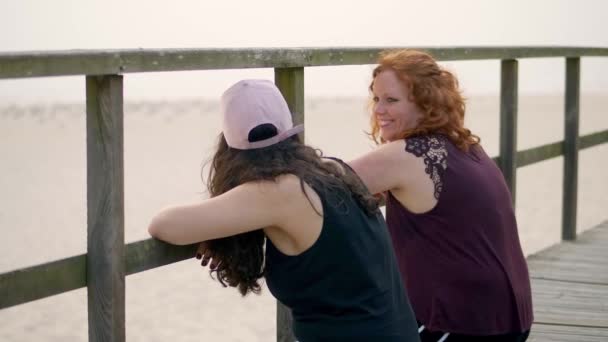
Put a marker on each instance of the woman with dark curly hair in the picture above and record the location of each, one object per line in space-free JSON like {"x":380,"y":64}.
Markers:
{"x":328,"y":255}
{"x":448,"y":208}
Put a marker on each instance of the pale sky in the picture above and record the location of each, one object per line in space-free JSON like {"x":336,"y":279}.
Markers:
{"x":27,"y":25}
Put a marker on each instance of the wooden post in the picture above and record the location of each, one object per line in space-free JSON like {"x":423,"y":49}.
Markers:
{"x":508,"y":123}
{"x":291,"y":83}
{"x":105,"y":209}
{"x":571,"y":147}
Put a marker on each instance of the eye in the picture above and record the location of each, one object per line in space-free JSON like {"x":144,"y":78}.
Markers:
{"x":391,"y":99}
{"x":375,"y":99}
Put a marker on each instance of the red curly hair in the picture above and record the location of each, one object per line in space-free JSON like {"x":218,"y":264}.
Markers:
{"x":434,"y":90}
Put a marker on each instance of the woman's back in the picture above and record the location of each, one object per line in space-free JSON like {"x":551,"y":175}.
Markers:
{"x":466,"y":249}
{"x":346,"y":286}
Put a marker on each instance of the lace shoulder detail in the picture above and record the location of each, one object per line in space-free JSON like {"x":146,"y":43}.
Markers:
{"x":432,"y":149}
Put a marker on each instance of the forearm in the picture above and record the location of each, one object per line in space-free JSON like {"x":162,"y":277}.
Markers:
{"x":165,"y":227}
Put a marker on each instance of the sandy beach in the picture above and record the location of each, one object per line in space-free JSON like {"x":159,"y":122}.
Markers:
{"x":43,"y":211}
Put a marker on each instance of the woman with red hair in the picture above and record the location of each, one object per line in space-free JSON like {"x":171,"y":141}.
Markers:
{"x":448,"y":208}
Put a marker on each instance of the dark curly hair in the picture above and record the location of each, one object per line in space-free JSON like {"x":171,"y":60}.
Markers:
{"x":241,"y":257}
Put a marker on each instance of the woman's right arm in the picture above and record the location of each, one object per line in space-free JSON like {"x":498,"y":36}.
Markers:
{"x":245,"y":208}
{"x":384,"y":168}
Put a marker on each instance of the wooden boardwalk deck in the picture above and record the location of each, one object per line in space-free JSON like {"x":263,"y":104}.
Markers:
{"x":570,"y":289}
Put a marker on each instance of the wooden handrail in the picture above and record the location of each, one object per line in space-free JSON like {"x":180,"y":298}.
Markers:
{"x":111,"y":62}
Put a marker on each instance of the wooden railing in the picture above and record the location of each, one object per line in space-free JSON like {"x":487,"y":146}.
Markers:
{"x":108,"y":260}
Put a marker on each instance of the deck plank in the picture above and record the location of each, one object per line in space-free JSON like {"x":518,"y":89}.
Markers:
{"x":560,"y":333}
{"x":570,"y":289}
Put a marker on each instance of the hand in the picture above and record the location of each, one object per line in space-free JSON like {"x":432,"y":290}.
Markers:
{"x":203,"y":252}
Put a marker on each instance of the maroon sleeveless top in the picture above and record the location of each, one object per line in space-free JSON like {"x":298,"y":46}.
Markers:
{"x":461,"y":262}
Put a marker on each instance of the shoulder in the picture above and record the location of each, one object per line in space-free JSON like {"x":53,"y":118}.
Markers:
{"x":424,"y":144}
{"x":403,"y":152}
{"x":283,"y":192}
{"x":287,"y":185}
{"x":391,"y":150}
{"x":281,"y":198}
{"x":386,"y":167}
{"x":278,"y":189}
{"x":383,"y":158}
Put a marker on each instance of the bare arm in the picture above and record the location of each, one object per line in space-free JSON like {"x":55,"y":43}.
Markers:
{"x":245,"y":208}
{"x":385,"y":168}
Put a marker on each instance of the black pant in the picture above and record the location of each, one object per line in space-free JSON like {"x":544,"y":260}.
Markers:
{"x":428,"y":336}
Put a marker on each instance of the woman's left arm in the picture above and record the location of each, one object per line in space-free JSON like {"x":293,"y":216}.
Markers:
{"x":248,"y":207}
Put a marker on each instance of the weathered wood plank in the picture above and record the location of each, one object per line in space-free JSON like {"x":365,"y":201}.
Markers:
{"x":508,"y":123}
{"x":592,"y":239}
{"x":59,"y":276}
{"x":105,"y":62}
{"x":40,"y":281}
{"x":569,"y":271}
{"x":544,"y":152}
{"x":571,"y":142}
{"x":291,"y":83}
{"x":593,"y":255}
{"x":540,"y":153}
{"x":561,"y":333}
{"x":570,"y":289}
{"x":105,"y":208}
{"x":567,"y":303}
{"x":593,"y":139}
{"x":584,"y":260}
{"x":583,"y":252}
{"x":151,"y":253}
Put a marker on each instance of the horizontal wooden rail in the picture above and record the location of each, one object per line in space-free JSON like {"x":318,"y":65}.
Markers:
{"x":44,"y":280}
{"x":556,"y":149}
{"x":593,"y":139}
{"x":538,"y":154}
{"x":41,"y":281}
{"x":151,"y":253}
{"x":55,"y":277}
{"x":108,"y":62}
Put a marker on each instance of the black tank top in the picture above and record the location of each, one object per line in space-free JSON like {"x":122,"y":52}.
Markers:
{"x":346,"y":286}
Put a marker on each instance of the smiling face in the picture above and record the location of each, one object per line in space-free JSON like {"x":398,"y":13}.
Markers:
{"x":393,"y":110}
